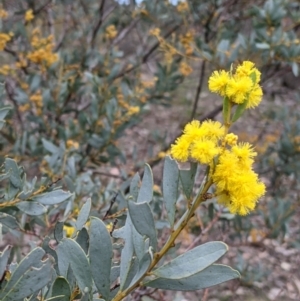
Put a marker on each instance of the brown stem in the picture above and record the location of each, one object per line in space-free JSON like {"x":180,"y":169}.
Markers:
{"x":199,"y":89}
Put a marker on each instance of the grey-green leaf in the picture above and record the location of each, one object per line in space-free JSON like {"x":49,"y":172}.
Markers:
{"x":143,"y":267}
{"x":29,"y":276}
{"x":59,"y":231}
{"x":61,"y":288}
{"x":134,"y":187}
{"x":213,"y":275}
{"x":32,"y":208}
{"x":170,"y":187}
{"x":53,"y":197}
{"x":83,"y":214}
{"x":29,"y":282}
{"x":143,"y":221}
{"x":12,"y":167}
{"x":3,"y":112}
{"x":69,"y":253}
{"x":193,"y":261}
{"x":187,"y":179}
{"x":9,"y":221}
{"x":100,"y":256}
{"x":146,"y":189}
{"x":127,"y":252}
{"x":4,"y":256}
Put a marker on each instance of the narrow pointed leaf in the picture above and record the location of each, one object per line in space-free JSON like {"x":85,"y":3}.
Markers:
{"x":240,"y":109}
{"x":83,"y":214}
{"x":193,"y":261}
{"x":100,"y":256}
{"x":146,"y":190}
{"x":69,"y":253}
{"x":143,"y":221}
{"x":170,"y":187}
{"x":213,"y":275}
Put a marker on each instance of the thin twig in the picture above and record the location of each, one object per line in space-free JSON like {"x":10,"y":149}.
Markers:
{"x":199,"y":89}
{"x":146,"y":56}
{"x":99,"y":23}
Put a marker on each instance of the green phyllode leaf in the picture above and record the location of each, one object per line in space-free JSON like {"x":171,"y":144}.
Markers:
{"x":170,"y":187}
{"x":61,"y":288}
{"x":31,"y":275}
{"x":239,"y":111}
{"x":143,"y":221}
{"x":83,"y":214}
{"x":32,"y":208}
{"x":212,"y":275}
{"x":193,"y":261}
{"x":100,"y":253}
{"x":4,"y":256}
{"x":53,"y":197}
{"x":127,"y":252}
{"x":9,"y":221}
{"x":69,"y":253}
{"x":134,"y":187}
{"x":146,"y":189}
{"x":187,"y":179}
{"x":3,"y":113}
{"x":142,"y":268}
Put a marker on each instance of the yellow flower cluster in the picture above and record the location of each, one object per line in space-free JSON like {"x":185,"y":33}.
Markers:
{"x":186,"y":41}
{"x":29,"y":15}
{"x":185,"y":69}
{"x":199,"y":142}
{"x":69,"y":230}
{"x":240,"y":87}
{"x":72,"y":144}
{"x":37,"y":99}
{"x":4,"y":39}
{"x":154,"y":32}
{"x":42,"y":50}
{"x":111,"y":32}
{"x":5,"y":69}
{"x":182,"y":6}
{"x":237,"y":185}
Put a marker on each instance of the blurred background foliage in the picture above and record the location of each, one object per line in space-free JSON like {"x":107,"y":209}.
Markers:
{"x":86,"y":79}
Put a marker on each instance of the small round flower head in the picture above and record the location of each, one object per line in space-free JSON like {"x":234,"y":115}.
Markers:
{"x":212,"y":129}
{"x":244,"y":192}
{"x":245,"y":153}
{"x":230,"y":139}
{"x":180,"y":150}
{"x":255,"y":97}
{"x":218,"y":81}
{"x":238,"y":89}
{"x":246,"y":69}
{"x":225,"y":169}
{"x":204,"y":151}
{"x":192,"y":131}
